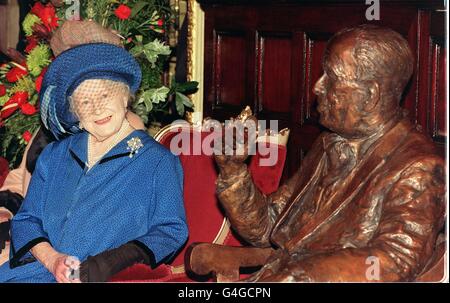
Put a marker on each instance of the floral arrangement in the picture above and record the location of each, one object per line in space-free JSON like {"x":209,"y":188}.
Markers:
{"x":143,"y":27}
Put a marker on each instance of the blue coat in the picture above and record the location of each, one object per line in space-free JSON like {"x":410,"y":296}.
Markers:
{"x":84,"y":213}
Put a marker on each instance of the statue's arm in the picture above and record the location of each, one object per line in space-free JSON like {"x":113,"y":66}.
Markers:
{"x":251,"y":213}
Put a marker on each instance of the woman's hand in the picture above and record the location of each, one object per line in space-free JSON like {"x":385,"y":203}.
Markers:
{"x":59,"y":264}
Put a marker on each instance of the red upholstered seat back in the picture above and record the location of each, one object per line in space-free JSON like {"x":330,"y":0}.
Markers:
{"x":4,"y":169}
{"x":267,"y":177}
{"x":205,"y":218}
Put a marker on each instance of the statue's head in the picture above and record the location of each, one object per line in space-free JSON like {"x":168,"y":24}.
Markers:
{"x":366,"y":69}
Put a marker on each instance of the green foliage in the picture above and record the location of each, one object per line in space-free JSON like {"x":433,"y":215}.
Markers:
{"x":151,"y":50}
{"x":24,"y":84}
{"x":12,"y":143}
{"x":181,"y":100}
{"x":3,"y":99}
{"x":38,"y":58}
{"x":151,"y":77}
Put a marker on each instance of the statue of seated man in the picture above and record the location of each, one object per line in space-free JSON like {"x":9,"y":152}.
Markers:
{"x":371,"y":190}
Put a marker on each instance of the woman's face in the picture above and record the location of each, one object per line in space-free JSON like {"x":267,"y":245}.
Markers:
{"x":101,"y":106}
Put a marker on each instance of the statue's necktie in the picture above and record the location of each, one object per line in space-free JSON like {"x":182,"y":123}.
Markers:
{"x":341,"y":159}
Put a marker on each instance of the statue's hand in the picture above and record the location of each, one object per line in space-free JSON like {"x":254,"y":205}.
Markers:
{"x":230,"y":165}
{"x":237,"y":142}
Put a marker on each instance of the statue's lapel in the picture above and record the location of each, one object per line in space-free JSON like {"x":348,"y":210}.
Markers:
{"x":311,"y":169}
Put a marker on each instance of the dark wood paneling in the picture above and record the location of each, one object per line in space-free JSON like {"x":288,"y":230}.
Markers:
{"x":437,"y":127}
{"x":305,"y":127}
{"x":274,"y":59}
{"x":229,"y":68}
{"x":279,"y":48}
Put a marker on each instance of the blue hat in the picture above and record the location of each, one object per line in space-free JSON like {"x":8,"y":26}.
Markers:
{"x":70,"y":69}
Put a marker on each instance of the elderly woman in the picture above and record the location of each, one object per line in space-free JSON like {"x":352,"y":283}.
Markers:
{"x":70,"y":34}
{"x":107,"y":194}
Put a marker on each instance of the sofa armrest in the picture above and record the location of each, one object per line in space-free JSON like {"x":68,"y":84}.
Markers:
{"x":223,"y":261}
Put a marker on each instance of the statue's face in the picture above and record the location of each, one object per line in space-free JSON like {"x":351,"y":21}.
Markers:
{"x":340,"y":99}
{"x":101,"y":106}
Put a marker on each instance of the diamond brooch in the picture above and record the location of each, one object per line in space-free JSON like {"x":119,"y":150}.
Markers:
{"x":134,"y":144}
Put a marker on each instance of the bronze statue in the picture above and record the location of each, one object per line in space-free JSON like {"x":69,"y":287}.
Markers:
{"x":370,"y":191}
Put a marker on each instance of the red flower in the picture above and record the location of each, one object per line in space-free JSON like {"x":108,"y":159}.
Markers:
{"x":13,"y":104}
{"x":37,"y":8}
{"x":27,"y":136}
{"x":123,"y":12}
{"x":160,"y":22}
{"x":28,"y":109}
{"x":38,"y":82}
{"x":32,"y":43}
{"x":2,"y":90}
{"x":15,"y":74}
{"x":20,"y":98}
{"x":41,"y":31}
{"x":47,"y":14}
{"x":8,"y":109}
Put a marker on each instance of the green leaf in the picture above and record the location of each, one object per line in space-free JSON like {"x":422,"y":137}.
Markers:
{"x":148,"y":105}
{"x":179,"y":105}
{"x":3,"y":99}
{"x":155,"y":95}
{"x":159,"y":94}
{"x":151,"y":57}
{"x":154,"y":49}
{"x":137,"y":8}
{"x":140,"y":110}
{"x":34,"y":99}
{"x":185,"y":100}
{"x":187,"y":86}
{"x":137,"y":50}
{"x":159,"y":47}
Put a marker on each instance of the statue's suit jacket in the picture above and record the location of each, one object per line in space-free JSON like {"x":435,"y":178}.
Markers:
{"x":380,"y":223}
